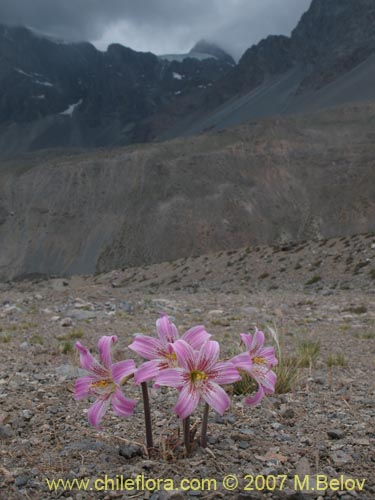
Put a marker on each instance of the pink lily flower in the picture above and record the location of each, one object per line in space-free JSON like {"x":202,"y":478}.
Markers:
{"x":159,"y":351}
{"x":257,"y":362}
{"x":198,"y":377}
{"x":104,"y":381}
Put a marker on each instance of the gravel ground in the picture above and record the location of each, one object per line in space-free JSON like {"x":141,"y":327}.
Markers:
{"x":321,"y":291}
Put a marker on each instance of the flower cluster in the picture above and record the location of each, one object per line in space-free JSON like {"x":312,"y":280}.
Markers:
{"x":189,"y":363}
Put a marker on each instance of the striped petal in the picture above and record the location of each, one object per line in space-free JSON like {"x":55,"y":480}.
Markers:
{"x":243,"y":362}
{"x":82,"y":387}
{"x":123,"y":369}
{"x":147,"y":347}
{"x":216,"y":397}
{"x":257,"y":342}
{"x":265,"y":377}
{"x":208,"y":355}
{"x":122,"y":406}
{"x":97,"y":411}
{"x":196,"y":336}
{"x":247,"y":339}
{"x":166,"y":330}
{"x":89,"y":363}
{"x":105,"y":345}
{"x":256,"y":399}
{"x":268,"y":353}
{"x":187,"y":401}
{"x":226,"y":373}
{"x":171,"y":377}
{"x":148,"y":371}
{"x":186,"y":356}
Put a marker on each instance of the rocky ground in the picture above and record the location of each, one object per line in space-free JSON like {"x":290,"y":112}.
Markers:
{"x":320,"y":293}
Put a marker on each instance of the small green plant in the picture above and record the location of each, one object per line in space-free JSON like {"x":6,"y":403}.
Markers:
{"x":5,"y":337}
{"x":356,"y":309}
{"x":287,"y":375}
{"x":37,"y":339}
{"x":287,"y":369}
{"x":367,"y":336}
{"x":337,"y":359}
{"x":307,"y":353}
{"x":67,"y":347}
{"x":245,"y":386}
{"x":313,"y":280}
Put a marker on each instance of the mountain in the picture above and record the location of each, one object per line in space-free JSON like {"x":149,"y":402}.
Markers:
{"x":328,"y":60}
{"x":202,"y":50}
{"x":271,"y":182}
{"x":56,"y":94}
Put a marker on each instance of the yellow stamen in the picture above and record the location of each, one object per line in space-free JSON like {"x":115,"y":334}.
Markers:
{"x":172,"y":356}
{"x":100,"y":384}
{"x":259,"y":361}
{"x":197,"y":376}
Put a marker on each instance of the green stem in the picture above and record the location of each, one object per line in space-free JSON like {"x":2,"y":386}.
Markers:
{"x":147,"y":411}
{"x":204,"y":426}
{"x":186,"y":426}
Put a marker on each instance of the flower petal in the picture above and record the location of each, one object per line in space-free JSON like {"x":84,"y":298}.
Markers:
{"x":171,"y":377}
{"x":268,"y":353}
{"x":264,"y":376}
{"x":187,"y":401}
{"x":196,"y":336}
{"x":97,"y":410}
{"x":208,"y":355}
{"x":186,"y":356}
{"x":82,"y":387}
{"x":147,"y":347}
{"x":148,"y":371}
{"x":166,"y":330}
{"x":216,"y":397}
{"x":226,"y":373}
{"x":243,"y":361}
{"x":256,"y":399}
{"x":121,"y":405}
{"x":247,"y":339}
{"x":104,"y":345}
{"x":89,"y":363}
{"x":123,"y":369}
{"x":257,"y":342}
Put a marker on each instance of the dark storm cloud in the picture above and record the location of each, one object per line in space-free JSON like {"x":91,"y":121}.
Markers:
{"x":157,"y":25}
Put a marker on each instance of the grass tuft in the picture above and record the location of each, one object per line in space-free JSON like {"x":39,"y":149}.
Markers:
{"x":338,"y":359}
{"x":307,"y":353}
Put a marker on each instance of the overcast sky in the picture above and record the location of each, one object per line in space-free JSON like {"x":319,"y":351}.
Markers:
{"x":159,"y":26}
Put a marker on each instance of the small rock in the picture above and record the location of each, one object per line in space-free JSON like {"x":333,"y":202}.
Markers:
{"x":130,"y":451}
{"x":21,"y":481}
{"x":287,"y":413}
{"x":171,"y":495}
{"x":5,"y":432}
{"x":335,"y":434}
{"x":66,"y":322}
{"x":339,"y":457}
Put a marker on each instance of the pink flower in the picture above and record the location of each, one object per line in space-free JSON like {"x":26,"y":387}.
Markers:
{"x":160,"y":350}
{"x":199,"y":376}
{"x":257,"y":362}
{"x":104,"y":381}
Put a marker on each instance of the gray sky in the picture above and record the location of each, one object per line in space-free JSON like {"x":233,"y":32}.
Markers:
{"x":159,"y":26}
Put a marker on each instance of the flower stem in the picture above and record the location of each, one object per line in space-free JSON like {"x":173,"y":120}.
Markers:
{"x":204,"y":426}
{"x":186,"y":426}
{"x":147,"y":411}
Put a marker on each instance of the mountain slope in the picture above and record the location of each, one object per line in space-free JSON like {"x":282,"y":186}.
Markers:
{"x":56,"y":94}
{"x":328,"y":60}
{"x":270,"y":182}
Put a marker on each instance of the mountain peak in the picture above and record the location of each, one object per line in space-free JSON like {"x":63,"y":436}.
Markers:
{"x":205,"y":47}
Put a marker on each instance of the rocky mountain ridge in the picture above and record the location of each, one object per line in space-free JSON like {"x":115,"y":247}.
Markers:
{"x":57,"y":95}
